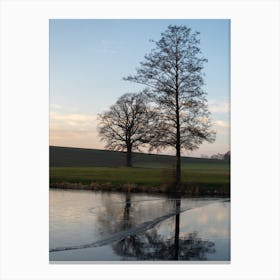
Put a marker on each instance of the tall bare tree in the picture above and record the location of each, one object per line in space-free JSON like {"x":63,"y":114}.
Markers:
{"x":127,"y":124}
{"x":172,"y":73}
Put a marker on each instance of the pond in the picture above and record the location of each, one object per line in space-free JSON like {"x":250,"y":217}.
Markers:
{"x":87,"y":226}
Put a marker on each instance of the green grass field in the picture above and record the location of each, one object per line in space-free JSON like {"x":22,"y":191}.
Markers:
{"x":194,"y":175}
{"x":148,"y":173}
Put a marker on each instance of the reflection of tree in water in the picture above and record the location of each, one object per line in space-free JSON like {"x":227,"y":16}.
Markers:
{"x":116,"y":217}
{"x":151,"y":245}
{"x":126,"y":213}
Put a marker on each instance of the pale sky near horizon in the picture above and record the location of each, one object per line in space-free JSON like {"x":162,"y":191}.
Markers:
{"x":89,"y":58}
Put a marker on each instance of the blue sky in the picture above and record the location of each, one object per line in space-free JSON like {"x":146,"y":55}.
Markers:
{"x":89,"y":58}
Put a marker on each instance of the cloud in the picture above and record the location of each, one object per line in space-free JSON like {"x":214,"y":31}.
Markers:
{"x":80,"y":130}
{"x":75,"y":130}
{"x":220,"y":123}
{"x":218,"y":107}
{"x":222,"y":128}
{"x":72,"y":121}
{"x":55,"y":106}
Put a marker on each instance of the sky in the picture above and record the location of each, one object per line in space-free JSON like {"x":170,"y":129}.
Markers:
{"x":89,"y":58}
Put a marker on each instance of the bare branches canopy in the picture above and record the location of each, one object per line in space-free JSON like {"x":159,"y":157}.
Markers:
{"x":126,"y":125}
{"x":178,"y":115}
{"x":172,"y":73}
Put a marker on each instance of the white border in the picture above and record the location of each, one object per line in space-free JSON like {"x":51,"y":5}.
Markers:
{"x":255,"y":137}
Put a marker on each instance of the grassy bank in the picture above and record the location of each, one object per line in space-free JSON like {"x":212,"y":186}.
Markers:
{"x":199,"y":178}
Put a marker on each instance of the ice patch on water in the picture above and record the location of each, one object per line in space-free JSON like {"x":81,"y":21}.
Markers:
{"x":132,"y":231}
{"x":93,"y":209}
{"x":121,"y":235}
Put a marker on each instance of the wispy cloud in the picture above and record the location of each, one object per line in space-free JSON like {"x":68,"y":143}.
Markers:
{"x":70,"y":121}
{"x":218,"y":107}
{"x":79,"y":130}
{"x":55,"y":106}
{"x":221,"y":123}
{"x":222,"y":129}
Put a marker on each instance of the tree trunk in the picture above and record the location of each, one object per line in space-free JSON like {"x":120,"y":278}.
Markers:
{"x":178,"y":135}
{"x":177,"y":228}
{"x":129,"y":157}
{"x":178,"y":169}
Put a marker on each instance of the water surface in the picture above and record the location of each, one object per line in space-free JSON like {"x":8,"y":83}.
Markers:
{"x":100,"y":226}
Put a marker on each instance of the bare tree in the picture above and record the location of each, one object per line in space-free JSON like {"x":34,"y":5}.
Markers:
{"x":227,"y":156}
{"x":172,"y":73}
{"x":127,"y":124}
{"x":218,"y":156}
